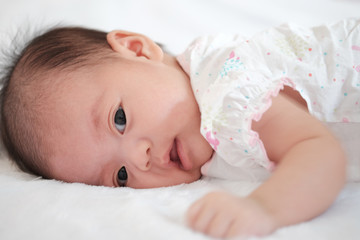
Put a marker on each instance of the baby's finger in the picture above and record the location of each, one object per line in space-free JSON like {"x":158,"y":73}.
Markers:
{"x":235,"y":230}
{"x":193,"y":212}
{"x":199,"y":216}
{"x":219,"y":225}
{"x":244,"y":230}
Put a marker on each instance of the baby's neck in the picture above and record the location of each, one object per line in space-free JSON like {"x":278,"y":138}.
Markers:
{"x":170,"y":60}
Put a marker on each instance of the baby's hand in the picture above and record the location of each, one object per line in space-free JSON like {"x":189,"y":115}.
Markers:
{"x":223,"y":215}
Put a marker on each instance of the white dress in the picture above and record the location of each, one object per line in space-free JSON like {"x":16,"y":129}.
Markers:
{"x":234,"y":79}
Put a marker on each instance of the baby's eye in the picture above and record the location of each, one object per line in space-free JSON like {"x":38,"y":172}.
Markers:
{"x":120,"y":120}
{"x":122,"y":177}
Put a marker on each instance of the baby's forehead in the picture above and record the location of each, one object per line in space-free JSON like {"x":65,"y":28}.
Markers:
{"x":74,"y":82}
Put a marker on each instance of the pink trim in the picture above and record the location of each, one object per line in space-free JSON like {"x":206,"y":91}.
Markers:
{"x":212,"y":140}
{"x":357,"y":68}
{"x":257,"y":116}
{"x":356,"y":48}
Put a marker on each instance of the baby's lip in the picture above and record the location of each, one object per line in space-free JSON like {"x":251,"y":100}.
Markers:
{"x":184,"y":161}
{"x":178,"y":157}
{"x":174,"y":156}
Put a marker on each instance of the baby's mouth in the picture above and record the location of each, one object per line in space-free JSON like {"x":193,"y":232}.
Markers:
{"x":179,"y":157}
{"x":174,"y":155}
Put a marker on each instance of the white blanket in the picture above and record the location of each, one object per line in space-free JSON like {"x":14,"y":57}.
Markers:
{"x":33,"y":208}
{"x":47,"y":209}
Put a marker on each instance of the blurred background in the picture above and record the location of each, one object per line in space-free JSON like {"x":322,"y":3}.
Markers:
{"x":172,"y":22}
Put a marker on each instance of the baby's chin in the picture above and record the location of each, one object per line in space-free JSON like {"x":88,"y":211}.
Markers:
{"x":186,"y":180}
{"x":195,"y":177}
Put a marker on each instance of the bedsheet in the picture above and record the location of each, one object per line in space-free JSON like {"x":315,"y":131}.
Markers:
{"x":35,"y":208}
{"x":48,"y":209}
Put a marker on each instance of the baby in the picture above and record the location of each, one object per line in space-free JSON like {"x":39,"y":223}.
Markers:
{"x":80,"y":105}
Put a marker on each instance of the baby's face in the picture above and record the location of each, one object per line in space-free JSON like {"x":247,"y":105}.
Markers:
{"x":139,"y":115}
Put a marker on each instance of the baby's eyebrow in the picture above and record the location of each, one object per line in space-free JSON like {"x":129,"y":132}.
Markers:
{"x":99,"y":113}
{"x":96,"y":110}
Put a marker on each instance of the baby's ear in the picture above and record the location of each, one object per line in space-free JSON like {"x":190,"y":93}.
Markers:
{"x":134,"y":44}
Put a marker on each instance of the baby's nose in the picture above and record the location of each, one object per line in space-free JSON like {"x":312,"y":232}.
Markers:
{"x":140,"y":154}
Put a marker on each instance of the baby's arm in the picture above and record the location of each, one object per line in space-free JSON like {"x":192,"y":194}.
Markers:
{"x":311,"y":163}
{"x":310,"y":173}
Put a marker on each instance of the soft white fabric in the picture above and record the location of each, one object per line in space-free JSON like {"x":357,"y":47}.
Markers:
{"x":47,"y":209}
{"x":234,"y":79}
